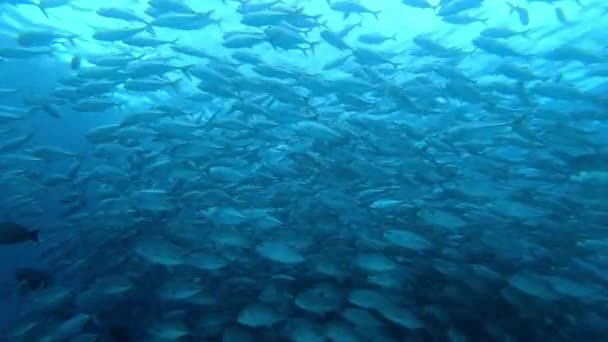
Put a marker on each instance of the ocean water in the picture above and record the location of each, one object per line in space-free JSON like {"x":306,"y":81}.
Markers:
{"x":319,"y":170}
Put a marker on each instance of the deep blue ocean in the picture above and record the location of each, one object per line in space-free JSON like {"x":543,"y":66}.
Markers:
{"x":292,"y":170}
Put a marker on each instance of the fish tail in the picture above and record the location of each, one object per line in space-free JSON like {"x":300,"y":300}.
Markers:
{"x":316,"y":18}
{"x":52,"y":111}
{"x":34,"y":110}
{"x":512,"y":7}
{"x":139,"y":57}
{"x":521,"y":120}
{"x":312,"y":46}
{"x":218,"y":22}
{"x":186,"y":70}
{"x":376,"y":13}
{"x":70,"y":39}
{"x":394,"y":36}
{"x":150,"y":29}
{"x":34,"y":235}
{"x":175,"y":85}
{"x":43,"y":10}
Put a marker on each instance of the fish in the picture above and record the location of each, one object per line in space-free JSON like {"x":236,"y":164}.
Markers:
{"x":457,"y":6}
{"x":185,"y":21}
{"x":43,"y":38}
{"x":501,"y":33}
{"x":113,"y":35}
{"x":419,"y":4}
{"x":244,"y":170}
{"x":14,"y":233}
{"x":375,"y":38}
{"x":24,"y":53}
{"x":118,"y":13}
{"x":32,"y":279}
{"x":347,"y":7}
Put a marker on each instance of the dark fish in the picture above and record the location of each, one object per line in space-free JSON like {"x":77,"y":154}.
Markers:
{"x":31,"y":279}
{"x":524,"y":17}
{"x":13,"y":233}
{"x":75,"y":63}
{"x":119,"y":334}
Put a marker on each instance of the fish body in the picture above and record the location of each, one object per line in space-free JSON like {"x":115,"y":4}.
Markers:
{"x":419,"y":4}
{"x":118,"y":13}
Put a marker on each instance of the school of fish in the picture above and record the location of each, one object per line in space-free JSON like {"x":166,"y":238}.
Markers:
{"x":323,"y":170}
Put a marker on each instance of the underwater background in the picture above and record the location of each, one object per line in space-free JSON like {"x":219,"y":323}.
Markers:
{"x":321,"y":170}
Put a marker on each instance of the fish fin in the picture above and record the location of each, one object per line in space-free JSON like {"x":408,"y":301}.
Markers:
{"x":70,"y":39}
{"x":34,"y":110}
{"x":558,"y":77}
{"x":312,"y":46}
{"x":175,"y":85}
{"x":51,"y":111}
{"x":186,"y":71}
{"x":136,"y":58}
{"x":150,"y":29}
{"x":34,"y":235}
{"x":316,"y":18}
{"x":512,"y":7}
{"x":518,"y":122}
{"x":218,"y":22}
{"x":43,"y":10}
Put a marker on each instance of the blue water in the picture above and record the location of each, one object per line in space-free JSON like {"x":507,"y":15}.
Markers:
{"x":461,"y":182}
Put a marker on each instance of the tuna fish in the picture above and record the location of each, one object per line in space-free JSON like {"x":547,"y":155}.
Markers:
{"x":13,"y":233}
